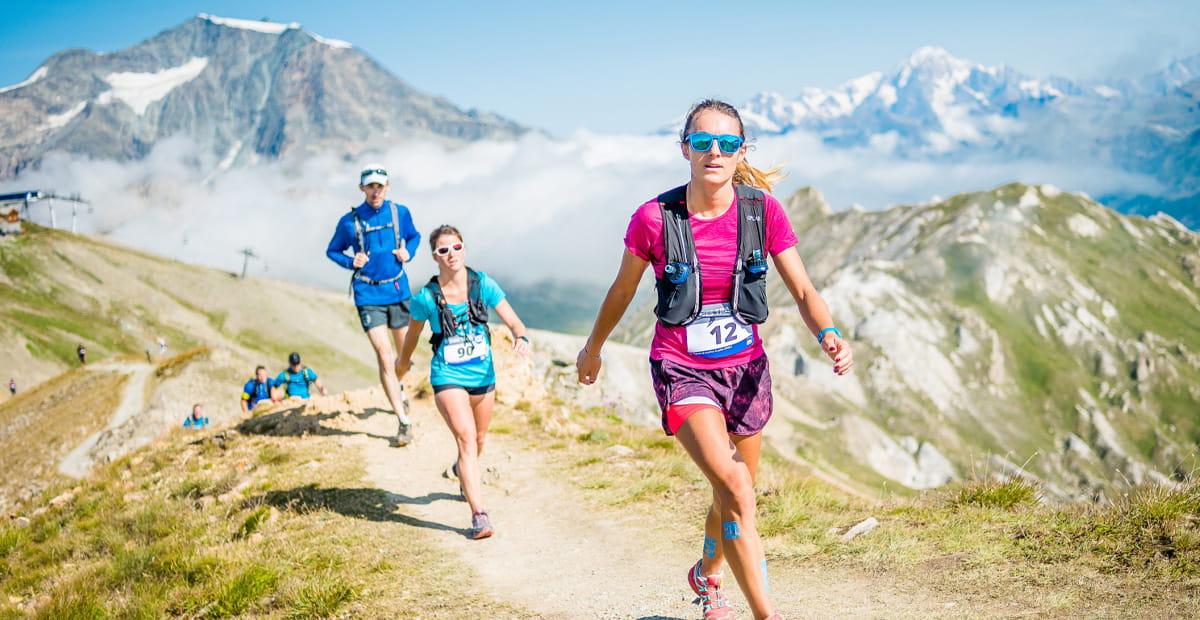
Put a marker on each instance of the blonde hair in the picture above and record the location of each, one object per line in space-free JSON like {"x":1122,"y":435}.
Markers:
{"x":744,"y":174}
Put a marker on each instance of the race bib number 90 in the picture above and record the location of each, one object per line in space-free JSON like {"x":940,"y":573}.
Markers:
{"x":716,"y":332}
{"x":459,"y":350}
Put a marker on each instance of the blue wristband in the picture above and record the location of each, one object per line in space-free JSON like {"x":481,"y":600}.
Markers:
{"x":821,"y":336}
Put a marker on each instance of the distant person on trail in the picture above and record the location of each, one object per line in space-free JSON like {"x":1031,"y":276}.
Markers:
{"x":162,"y":347}
{"x":295,"y":378}
{"x":382,"y":237}
{"x":258,"y":389}
{"x":196,"y":419}
{"x":82,"y":353}
{"x":12,"y":386}
{"x":708,"y":243}
{"x":456,"y":303}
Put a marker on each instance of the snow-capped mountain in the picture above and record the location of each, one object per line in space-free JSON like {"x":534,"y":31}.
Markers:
{"x":246,"y":90}
{"x":932,"y":103}
{"x":935,"y":106}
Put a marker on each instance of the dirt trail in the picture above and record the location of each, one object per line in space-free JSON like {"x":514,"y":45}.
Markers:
{"x":79,"y":461}
{"x":558,"y":559}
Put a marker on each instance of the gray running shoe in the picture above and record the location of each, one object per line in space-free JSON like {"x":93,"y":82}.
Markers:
{"x":403,"y":435}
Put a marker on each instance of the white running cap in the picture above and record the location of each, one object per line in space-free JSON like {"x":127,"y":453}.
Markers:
{"x":373,"y":173}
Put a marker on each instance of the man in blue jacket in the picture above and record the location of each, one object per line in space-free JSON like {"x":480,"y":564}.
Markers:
{"x":381,"y":236}
{"x":258,"y":389}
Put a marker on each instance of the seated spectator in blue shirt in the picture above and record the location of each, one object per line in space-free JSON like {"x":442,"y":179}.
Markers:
{"x":196,"y":419}
{"x":295,"y":378}
{"x":258,"y":389}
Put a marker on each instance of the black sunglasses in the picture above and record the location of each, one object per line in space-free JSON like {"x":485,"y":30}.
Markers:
{"x":375,"y":171}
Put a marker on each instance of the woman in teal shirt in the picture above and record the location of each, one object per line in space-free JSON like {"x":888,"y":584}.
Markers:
{"x":456,"y":304}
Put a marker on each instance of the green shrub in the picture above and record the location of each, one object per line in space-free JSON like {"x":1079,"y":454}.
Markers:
{"x":256,"y":518}
{"x":321,"y":600}
{"x":1004,"y":494}
{"x":243,"y":591}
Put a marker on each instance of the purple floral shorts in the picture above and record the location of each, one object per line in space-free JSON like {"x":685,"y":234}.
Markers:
{"x":742,"y":392}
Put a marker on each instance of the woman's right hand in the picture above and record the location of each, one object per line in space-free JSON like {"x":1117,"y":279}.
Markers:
{"x":360,"y":259}
{"x":402,"y":368}
{"x":588,"y":366}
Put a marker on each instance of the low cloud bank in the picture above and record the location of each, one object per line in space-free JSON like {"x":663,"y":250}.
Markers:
{"x":531,"y":209}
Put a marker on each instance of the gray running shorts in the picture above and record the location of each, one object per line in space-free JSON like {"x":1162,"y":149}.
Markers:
{"x":394,"y":315}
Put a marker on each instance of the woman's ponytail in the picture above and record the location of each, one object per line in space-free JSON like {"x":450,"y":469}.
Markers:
{"x":745,"y":174}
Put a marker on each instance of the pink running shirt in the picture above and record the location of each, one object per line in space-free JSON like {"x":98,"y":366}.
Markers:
{"x":716,"y":247}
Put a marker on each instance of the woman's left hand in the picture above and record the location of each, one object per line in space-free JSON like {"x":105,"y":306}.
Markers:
{"x":839,"y":351}
{"x":522,"y":347}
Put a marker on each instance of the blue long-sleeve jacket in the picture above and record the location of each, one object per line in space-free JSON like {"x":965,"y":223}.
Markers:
{"x":382,"y":265}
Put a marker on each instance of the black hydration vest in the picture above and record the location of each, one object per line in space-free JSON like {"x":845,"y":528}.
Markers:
{"x":360,"y":231}
{"x":679,"y":287}
{"x":477,"y":312}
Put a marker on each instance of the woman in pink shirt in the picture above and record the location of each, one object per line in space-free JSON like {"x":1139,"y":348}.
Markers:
{"x":708,"y":242}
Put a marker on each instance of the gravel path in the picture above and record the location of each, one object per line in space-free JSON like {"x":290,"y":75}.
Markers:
{"x":79,"y":461}
{"x":558,"y":560}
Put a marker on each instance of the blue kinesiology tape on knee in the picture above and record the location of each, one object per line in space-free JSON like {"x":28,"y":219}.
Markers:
{"x":766,"y":582}
{"x":731,"y":531}
{"x":710,"y":547}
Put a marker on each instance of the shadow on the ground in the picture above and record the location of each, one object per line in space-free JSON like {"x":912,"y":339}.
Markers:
{"x":295,"y":422}
{"x":660,"y":618}
{"x":369,"y":504}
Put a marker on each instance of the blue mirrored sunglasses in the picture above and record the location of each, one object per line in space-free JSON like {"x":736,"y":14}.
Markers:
{"x":702,"y":142}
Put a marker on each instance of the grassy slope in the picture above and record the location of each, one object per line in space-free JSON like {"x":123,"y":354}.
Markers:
{"x":66,"y":289}
{"x":41,"y":425}
{"x":260,"y":526}
{"x":58,"y":289}
{"x":243,"y":527}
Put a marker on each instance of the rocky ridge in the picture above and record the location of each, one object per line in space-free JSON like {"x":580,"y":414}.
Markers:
{"x":1021,"y":330}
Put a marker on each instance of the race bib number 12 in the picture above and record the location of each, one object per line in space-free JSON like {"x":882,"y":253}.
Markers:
{"x":716,"y":332}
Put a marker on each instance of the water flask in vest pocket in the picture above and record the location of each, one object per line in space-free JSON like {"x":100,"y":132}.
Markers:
{"x":757,"y":263}
{"x":677,"y":272}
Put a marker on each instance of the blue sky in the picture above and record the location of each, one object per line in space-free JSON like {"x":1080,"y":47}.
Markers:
{"x":625,"y":66}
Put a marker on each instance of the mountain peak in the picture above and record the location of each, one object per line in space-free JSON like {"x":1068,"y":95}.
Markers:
{"x":930,"y":53}
{"x":243,"y":90}
{"x":936,"y":61}
{"x":266,"y":26}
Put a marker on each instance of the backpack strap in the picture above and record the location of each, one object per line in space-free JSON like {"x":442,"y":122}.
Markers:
{"x":395,"y":224}
{"x":446,"y":320}
{"x":748,"y":297}
{"x":678,"y":244}
{"x":360,"y":230}
{"x":678,"y":301}
{"x":751,"y":210}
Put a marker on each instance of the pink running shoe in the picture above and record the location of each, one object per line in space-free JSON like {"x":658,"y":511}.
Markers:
{"x":712,"y":599}
{"x":695,"y":579}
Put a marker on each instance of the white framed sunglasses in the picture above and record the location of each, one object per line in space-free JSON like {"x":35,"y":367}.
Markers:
{"x":446,"y":249}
